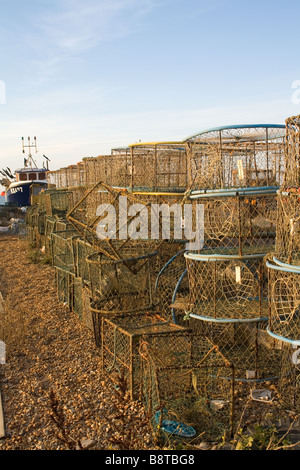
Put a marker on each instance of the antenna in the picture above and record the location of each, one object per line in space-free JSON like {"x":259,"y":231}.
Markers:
{"x":30,"y":146}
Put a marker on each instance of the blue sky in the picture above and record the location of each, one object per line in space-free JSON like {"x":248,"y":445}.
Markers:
{"x":85,"y":77}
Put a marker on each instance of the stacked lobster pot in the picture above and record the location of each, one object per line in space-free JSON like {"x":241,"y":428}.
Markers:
{"x":284,"y":270}
{"x":236,"y":172}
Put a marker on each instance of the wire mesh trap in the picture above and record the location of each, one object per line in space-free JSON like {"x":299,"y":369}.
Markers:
{"x":160,"y":166}
{"x":292,"y":170}
{"x":122,"y":286}
{"x":287,"y":247}
{"x":237,"y":156}
{"x":121,"y":337}
{"x":63,"y":249}
{"x":246,"y":345}
{"x":113,"y":218}
{"x":227,"y":287}
{"x":242,"y":221}
{"x":284,"y":299}
{"x":172,"y":285}
{"x":289,"y":383}
{"x":195,"y":392}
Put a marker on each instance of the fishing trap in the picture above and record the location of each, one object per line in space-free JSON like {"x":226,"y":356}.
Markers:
{"x":284,"y":300}
{"x":227,"y":287}
{"x":237,"y":157}
{"x":121,"y":338}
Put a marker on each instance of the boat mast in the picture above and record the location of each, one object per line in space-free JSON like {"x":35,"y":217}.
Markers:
{"x":30,"y":161}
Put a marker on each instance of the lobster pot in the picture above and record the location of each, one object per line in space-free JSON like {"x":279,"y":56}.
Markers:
{"x":32,"y":215}
{"x":63,"y":225}
{"x":76,"y":295}
{"x":110,"y":169}
{"x":287,"y":248}
{"x":292,"y":170}
{"x":284,"y":299}
{"x":86,"y":307}
{"x":63,"y":283}
{"x":122,"y":286}
{"x":237,"y":157}
{"x":172,"y":284}
{"x":246,"y":345}
{"x":112,"y":218}
{"x":289,"y":383}
{"x":239,"y":221}
{"x":50,"y":227}
{"x":199,"y":392}
{"x":41,"y":222}
{"x":32,"y":235}
{"x":227,"y":286}
{"x":82,"y":250}
{"x":158,"y":167}
{"x":60,"y":203}
{"x":121,"y":340}
{"x":62,"y":249}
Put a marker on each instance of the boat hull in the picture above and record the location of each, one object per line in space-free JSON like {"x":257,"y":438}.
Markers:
{"x":22,"y":194}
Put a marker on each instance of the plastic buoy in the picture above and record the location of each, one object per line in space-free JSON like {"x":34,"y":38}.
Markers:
{"x":174,"y":427}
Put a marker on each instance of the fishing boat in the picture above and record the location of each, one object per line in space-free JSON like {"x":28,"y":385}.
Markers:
{"x":23,"y":187}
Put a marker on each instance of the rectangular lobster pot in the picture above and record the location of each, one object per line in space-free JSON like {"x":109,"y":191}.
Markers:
{"x":287,"y":247}
{"x":63,"y":283}
{"x":121,"y":340}
{"x":289,"y":383}
{"x":246,"y":345}
{"x":108,"y":218}
{"x":122,"y":285}
{"x":198,"y":392}
{"x":161,"y":166}
{"x":62,"y":249}
{"x":292,"y":160}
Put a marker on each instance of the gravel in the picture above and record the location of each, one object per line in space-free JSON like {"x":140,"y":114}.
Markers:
{"x":54,"y":395}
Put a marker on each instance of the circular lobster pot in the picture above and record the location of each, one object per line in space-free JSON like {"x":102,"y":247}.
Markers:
{"x":287,"y":248}
{"x":284,"y":299}
{"x":227,"y":287}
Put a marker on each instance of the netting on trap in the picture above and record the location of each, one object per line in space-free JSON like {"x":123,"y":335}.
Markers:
{"x":121,"y":337}
{"x":287,"y":246}
{"x":227,"y":287}
{"x":198,"y":393}
{"x":67,"y":177}
{"x":172,"y":285}
{"x":237,"y":156}
{"x":246,"y":345}
{"x":289,"y":383}
{"x":63,"y":286}
{"x":114,"y":219}
{"x":63,"y":249}
{"x":50,"y":227}
{"x":284,"y":300}
{"x":122,"y":286}
{"x":82,"y":250}
{"x":113,"y":170}
{"x":292,"y":170}
{"x":158,"y":167}
{"x":242,"y":221}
